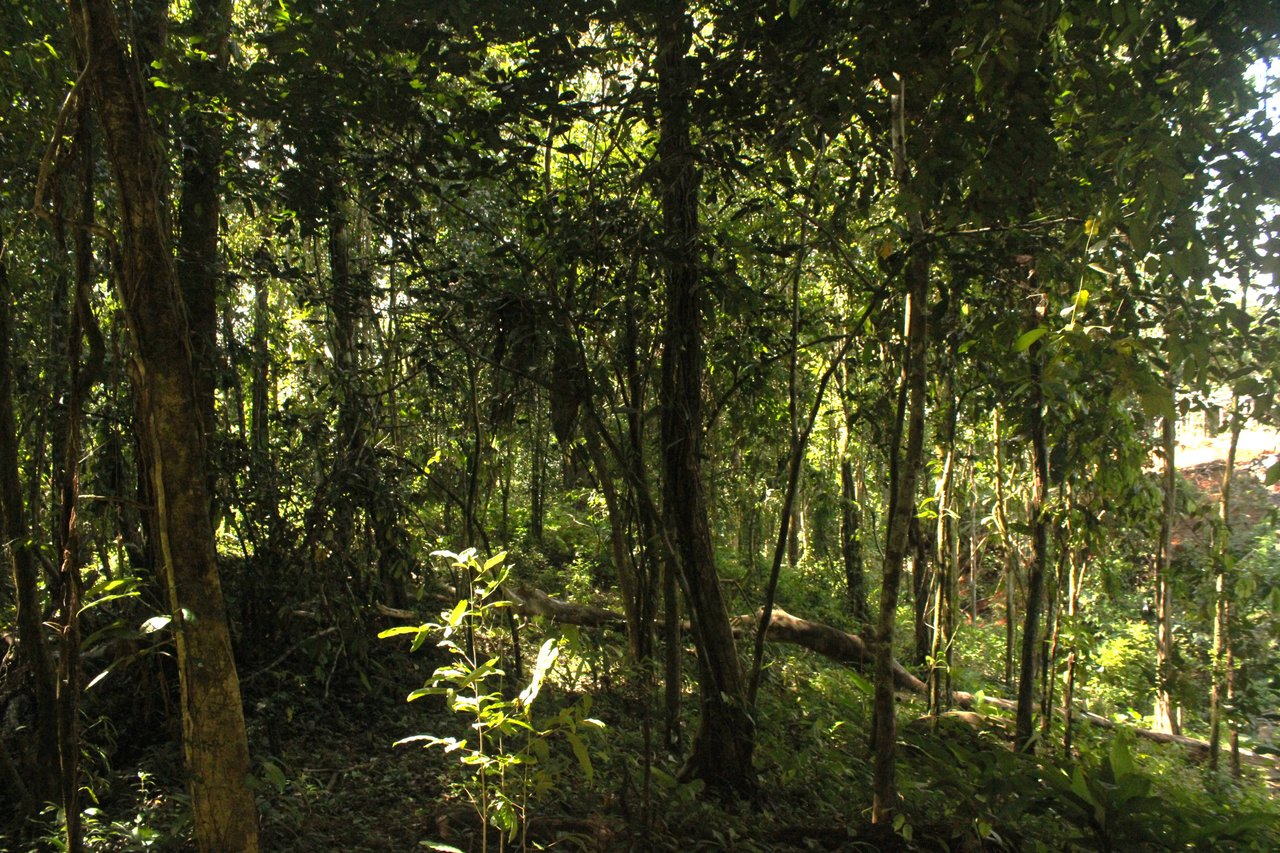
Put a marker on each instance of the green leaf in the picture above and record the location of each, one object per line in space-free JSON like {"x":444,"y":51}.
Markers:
{"x":459,"y":610}
{"x":580,"y":752}
{"x":546,"y":659}
{"x":1121,"y":759}
{"x":155,"y":623}
{"x":106,"y":598}
{"x":398,"y":631}
{"x":1273,"y":473}
{"x":1026,"y":339}
{"x":274,"y":775}
{"x":494,"y":560}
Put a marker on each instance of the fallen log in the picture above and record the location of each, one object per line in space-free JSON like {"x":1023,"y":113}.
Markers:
{"x":830,"y":642}
{"x":529,"y":601}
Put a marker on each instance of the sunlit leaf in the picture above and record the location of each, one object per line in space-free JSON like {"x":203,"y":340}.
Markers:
{"x":1026,"y":339}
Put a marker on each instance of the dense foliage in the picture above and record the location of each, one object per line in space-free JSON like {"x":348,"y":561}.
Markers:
{"x":826,"y":361}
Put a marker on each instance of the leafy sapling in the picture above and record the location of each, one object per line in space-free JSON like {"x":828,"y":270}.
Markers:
{"x":506,"y":760}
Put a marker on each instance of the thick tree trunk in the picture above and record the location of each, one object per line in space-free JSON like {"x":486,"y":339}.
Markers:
{"x":722,"y":751}
{"x":216,"y":751}
{"x":344,"y":317}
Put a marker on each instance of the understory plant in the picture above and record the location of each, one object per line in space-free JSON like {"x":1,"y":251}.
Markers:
{"x":506,"y":759}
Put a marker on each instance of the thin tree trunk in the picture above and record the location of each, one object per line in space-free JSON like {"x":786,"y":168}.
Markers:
{"x":922,"y":577}
{"x":43,"y":784}
{"x":537,"y":470}
{"x":722,"y":753}
{"x":945,"y":569}
{"x":1025,"y":731}
{"x":1222,"y":603}
{"x":1075,"y":578}
{"x":904,"y":467}
{"x":83,"y":374}
{"x":1049,"y":645}
{"x":215,"y":747}
{"x":974,"y":572}
{"x":1010,"y":559}
{"x":1166,"y":716}
{"x":799,"y":441}
{"x":851,"y":542}
{"x":198,"y":265}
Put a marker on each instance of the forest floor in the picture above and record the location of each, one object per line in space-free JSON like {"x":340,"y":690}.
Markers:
{"x":331,"y":779}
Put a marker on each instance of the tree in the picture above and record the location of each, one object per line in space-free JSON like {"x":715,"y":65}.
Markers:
{"x":722,"y":751}
{"x":214,"y":743}
{"x":905,"y":462}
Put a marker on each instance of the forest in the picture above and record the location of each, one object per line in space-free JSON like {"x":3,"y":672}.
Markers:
{"x":649,"y":425}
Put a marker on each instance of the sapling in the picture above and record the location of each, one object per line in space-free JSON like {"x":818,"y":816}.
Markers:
{"x":506,"y":757}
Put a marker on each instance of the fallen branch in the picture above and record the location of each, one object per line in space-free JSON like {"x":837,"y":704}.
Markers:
{"x":528,"y":601}
{"x":826,"y":640}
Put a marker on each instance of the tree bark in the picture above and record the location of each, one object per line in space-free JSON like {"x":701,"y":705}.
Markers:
{"x":214,"y":743}
{"x":722,"y":752}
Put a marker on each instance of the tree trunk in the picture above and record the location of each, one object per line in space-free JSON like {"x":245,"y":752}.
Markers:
{"x":1049,"y":645}
{"x":722,"y":751}
{"x":22,"y":562}
{"x":82,"y":375}
{"x":537,"y":469}
{"x":1075,"y":579}
{"x":215,"y":748}
{"x":198,"y":265}
{"x":1222,"y":602}
{"x":851,"y":542}
{"x":1025,"y":730}
{"x":1011,"y":559}
{"x":945,"y":562}
{"x":904,"y":466}
{"x":921,"y":583}
{"x":1166,"y":712}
